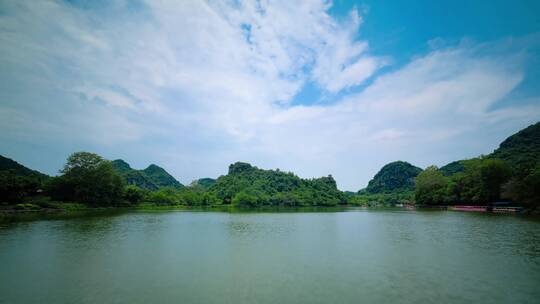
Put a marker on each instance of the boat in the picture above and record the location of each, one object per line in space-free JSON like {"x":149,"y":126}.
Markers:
{"x":468,"y":208}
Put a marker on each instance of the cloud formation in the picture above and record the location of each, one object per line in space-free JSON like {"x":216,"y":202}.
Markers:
{"x":197,"y":85}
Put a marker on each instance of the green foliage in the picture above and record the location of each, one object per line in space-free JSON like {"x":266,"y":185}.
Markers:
{"x":513,"y":170}
{"x":17,"y":169}
{"x":164,"y":196}
{"x":362,"y":198}
{"x":452,"y":168}
{"x":431,"y":187}
{"x":273,"y":187}
{"x":480,"y":182}
{"x":82,"y":162}
{"x":521,"y":150}
{"x":209,"y":199}
{"x":14,"y":187}
{"x":493,"y":174}
{"x":394,"y":177}
{"x":151,"y":178}
{"x":524,"y":188}
{"x":244,"y":199}
{"x":184,"y":196}
{"x":203,"y":183}
{"x":87,"y":178}
{"x":161,"y":177}
{"x":139,"y":179}
{"x":134,"y":194}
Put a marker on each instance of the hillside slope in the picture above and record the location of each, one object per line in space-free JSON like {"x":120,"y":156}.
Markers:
{"x":7,"y":164}
{"x":522,"y":148}
{"x":151,"y":178}
{"x":394,"y":177}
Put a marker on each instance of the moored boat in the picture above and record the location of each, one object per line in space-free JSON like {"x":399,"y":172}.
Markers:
{"x":507,"y":210}
{"x":468,"y":208}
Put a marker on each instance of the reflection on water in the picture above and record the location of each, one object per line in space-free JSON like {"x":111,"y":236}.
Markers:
{"x":262,"y":256}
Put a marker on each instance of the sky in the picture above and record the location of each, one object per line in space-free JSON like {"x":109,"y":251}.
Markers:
{"x":312,"y":87}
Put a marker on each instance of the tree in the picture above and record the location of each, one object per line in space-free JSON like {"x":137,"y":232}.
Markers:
{"x":480,"y":182}
{"x":493,"y":173}
{"x":164,"y":196}
{"x":430,"y":187}
{"x":15,"y":188}
{"x":84,"y":161}
{"x":87,"y":178}
{"x":524,"y":188}
{"x":244,"y":199}
{"x":133,"y":194}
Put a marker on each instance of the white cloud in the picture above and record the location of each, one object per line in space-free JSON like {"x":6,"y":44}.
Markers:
{"x":196,"y":85}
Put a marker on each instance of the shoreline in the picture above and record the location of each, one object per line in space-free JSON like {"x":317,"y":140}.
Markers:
{"x":13,"y":215}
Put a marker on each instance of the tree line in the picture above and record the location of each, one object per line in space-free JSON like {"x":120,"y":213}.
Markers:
{"x":90,"y":179}
{"x":482,"y":181}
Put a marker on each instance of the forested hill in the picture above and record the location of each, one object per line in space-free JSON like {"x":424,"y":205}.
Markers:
{"x":394,"y":177}
{"x":522,"y":148}
{"x":7,"y":164}
{"x":250,"y":186}
{"x":151,"y":178}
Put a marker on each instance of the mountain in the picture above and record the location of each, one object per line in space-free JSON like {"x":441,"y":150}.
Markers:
{"x":521,"y":149}
{"x":121,"y":166}
{"x":205,"y":182}
{"x":393,"y":177}
{"x":7,"y":164}
{"x":161,"y":177}
{"x":248,"y":185}
{"x":151,"y":178}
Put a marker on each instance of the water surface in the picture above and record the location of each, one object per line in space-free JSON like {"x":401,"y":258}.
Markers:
{"x":287,"y":257}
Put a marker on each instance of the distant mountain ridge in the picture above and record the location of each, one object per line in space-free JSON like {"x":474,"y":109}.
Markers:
{"x":7,"y":164}
{"x":151,"y":178}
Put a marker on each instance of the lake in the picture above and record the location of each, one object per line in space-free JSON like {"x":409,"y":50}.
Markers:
{"x":353,"y":256}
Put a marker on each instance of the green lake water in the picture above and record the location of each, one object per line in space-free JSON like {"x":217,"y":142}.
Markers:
{"x":356,"y":256}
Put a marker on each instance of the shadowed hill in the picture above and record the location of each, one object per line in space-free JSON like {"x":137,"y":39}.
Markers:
{"x":7,"y":164}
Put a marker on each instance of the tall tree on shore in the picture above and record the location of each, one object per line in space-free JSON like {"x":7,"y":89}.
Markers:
{"x":87,"y":178}
{"x":431,"y":187}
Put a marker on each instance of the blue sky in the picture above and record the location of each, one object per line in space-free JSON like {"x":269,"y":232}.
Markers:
{"x":312,"y":87}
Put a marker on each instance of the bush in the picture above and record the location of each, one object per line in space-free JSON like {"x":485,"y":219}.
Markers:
{"x":164,"y":196}
{"x":15,"y":188}
{"x":134,"y":194}
{"x":243,"y":199}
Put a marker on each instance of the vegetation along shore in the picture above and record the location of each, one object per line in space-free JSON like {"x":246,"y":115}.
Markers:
{"x":508,"y":177}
